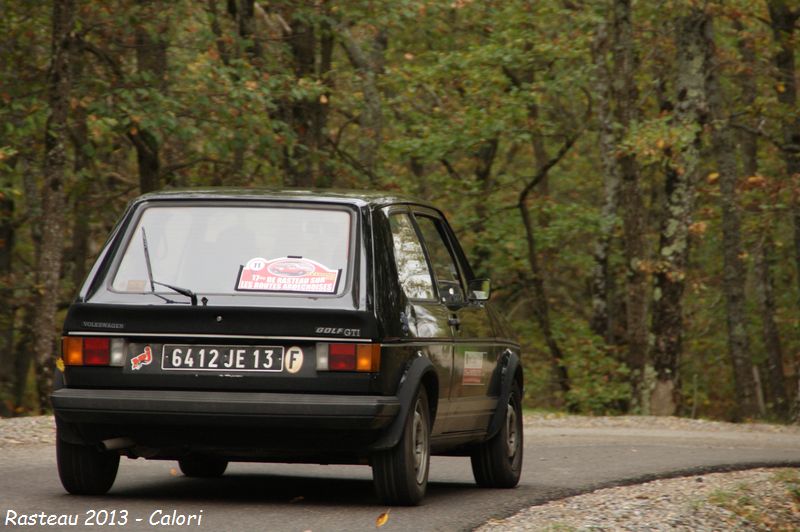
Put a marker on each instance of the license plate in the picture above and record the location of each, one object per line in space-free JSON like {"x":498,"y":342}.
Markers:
{"x":222,"y":358}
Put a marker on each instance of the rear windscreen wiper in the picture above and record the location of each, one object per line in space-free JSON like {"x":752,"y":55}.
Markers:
{"x":183,"y":291}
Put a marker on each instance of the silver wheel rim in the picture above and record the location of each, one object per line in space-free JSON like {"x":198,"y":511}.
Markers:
{"x":512,"y":436}
{"x":420,"y":444}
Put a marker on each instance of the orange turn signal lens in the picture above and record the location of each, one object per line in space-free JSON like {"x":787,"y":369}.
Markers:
{"x":72,"y":350}
{"x":368,"y":357}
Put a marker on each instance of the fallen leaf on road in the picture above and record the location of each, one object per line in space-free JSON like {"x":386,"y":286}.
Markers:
{"x":382,"y":519}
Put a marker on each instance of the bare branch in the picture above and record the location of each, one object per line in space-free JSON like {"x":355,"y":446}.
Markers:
{"x":450,"y":169}
{"x":758,"y":131}
{"x":545,"y":168}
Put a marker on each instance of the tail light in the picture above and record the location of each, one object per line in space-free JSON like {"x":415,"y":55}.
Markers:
{"x":348,"y":357}
{"x":92,"y":351}
{"x":96,"y":351}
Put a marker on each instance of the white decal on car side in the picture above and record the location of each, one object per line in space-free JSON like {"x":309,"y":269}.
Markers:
{"x":473,"y":367}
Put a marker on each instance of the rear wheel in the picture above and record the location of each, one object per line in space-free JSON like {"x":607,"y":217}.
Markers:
{"x":401,"y":473}
{"x":497,"y":463}
{"x":84,"y":469}
{"x":203,"y":467}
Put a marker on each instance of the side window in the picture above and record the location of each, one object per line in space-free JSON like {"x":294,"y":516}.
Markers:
{"x":412,"y":268}
{"x":444,"y":266}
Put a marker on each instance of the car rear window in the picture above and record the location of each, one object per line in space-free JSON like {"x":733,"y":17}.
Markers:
{"x":238,"y":249}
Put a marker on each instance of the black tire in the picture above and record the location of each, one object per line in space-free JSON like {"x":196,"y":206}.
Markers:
{"x":497,"y":463}
{"x":205,"y":467}
{"x":84,"y":469}
{"x":400,"y":474}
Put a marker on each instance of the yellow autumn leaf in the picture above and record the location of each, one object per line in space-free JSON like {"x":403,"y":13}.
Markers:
{"x":60,"y":365}
{"x":660,"y":144}
{"x":382,"y":519}
{"x":698,"y":228}
{"x":780,"y":87}
{"x":713,"y":177}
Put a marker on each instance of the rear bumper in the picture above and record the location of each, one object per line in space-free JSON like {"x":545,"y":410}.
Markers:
{"x":212,"y":409}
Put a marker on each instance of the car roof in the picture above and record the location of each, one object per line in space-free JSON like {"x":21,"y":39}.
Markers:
{"x":352,"y":197}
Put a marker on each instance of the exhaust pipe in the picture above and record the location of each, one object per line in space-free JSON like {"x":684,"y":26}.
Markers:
{"x":115,"y":444}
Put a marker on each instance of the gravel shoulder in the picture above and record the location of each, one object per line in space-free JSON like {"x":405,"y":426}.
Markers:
{"x":756,"y":499}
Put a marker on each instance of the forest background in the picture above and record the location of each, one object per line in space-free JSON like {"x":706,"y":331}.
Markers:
{"x":627,"y":172}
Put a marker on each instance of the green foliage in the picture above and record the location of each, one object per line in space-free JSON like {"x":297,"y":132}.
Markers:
{"x":599,"y":380}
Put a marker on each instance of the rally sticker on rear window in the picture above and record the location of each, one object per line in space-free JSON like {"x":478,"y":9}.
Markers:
{"x":287,"y":274}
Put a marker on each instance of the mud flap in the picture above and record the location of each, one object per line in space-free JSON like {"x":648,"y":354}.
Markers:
{"x":510,"y":363}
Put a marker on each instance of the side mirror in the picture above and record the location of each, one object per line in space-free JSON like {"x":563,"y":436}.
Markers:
{"x":480,"y":289}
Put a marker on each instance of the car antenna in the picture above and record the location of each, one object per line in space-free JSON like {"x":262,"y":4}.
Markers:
{"x":183,"y":291}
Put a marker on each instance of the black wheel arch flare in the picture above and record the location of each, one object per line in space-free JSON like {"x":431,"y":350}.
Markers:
{"x":420,"y":372}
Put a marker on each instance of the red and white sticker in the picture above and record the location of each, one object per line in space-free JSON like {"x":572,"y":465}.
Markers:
{"x":287,"y":274}
{"x":142,"y":359}
{"x":473,"y":368}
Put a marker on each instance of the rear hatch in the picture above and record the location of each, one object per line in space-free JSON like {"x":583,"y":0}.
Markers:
{"x":227,"y":295}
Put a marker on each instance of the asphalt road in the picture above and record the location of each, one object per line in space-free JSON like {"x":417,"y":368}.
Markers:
{"x":558,"y":462}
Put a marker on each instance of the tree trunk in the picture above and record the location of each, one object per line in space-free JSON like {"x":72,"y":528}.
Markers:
{"x":602,"y":321}
{"x":303,"y":114}
{"x":485,"y":156}
{"x":724,"y":151}
{"x":23,"y":351}
{"x":216,"y":29}
{"x":541,"y":306}
{"x":763,"y":252}
{"x":368,"y":67}
{"x":618,"y":108}
{"x":52,"y":194}
{"x":680,"y":179}
{"x":246,"y":24}
{"x":151,"y":63}
{"x":632,"y":202}
{"x":79,"y":252}
{"x":783,"y":21}
{"x":7,"y":310}
{"x":778,"y":399}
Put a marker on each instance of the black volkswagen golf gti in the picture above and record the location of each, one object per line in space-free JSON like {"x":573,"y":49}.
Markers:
{"x":292,"y":326}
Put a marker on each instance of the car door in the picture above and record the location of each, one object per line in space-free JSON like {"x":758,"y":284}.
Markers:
{"x":473,"y":394}
{"x":426,"y":315}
